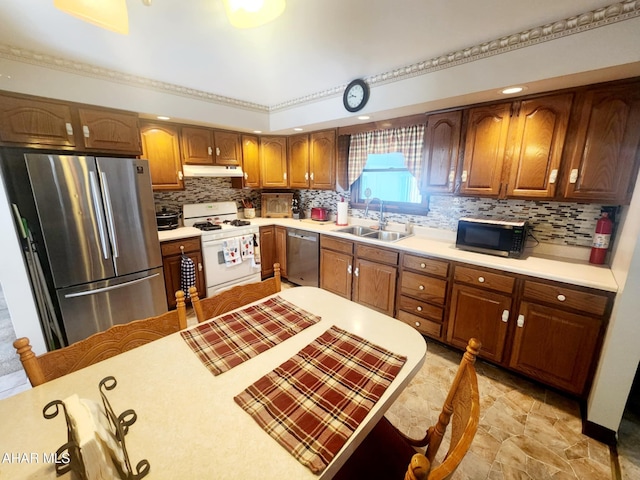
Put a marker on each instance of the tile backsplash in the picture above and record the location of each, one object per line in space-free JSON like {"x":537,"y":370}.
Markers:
{"x":553,"y":222}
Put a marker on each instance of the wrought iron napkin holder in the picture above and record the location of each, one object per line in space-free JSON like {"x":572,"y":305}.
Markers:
{"x":120,"y":427}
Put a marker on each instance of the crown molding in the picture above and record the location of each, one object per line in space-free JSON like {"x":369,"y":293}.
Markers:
{"x":616,"y":12}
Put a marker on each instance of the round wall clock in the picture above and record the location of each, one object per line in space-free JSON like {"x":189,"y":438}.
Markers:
{"x":356,"y":95}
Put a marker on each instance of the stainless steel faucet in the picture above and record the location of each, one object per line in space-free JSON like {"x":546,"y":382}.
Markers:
{"x":382,"y":222}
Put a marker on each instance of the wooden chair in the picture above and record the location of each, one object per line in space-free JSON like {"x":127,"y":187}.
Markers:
{"x":235,"y":297}
{"x":99,"y":346}
{"x":385,"y":452}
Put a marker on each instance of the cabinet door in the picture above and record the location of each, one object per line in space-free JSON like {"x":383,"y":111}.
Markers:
{"x":274,"y":162}
{"x":603,"y":149}
{"x":161,"y":146}
{"x":250,"y":164}
{"x":322,"y":160}
{"x":481,"y":314}
{"x":171,"y":266}
{"x":197,"y":146}
{"x":298,"y":157}
{"x":108,"y":130}
{"x":35,"y":122}
{"x":540,"y":130}
{"x":227,"y":146}
{"x":267,"y":250}
{"x":281,"y":249}
{"x":485,"y":148}
{"x":554,"y":346}
{"x":336,"y":272}
{"x":374,"y":285}
{"x":442,"y":144}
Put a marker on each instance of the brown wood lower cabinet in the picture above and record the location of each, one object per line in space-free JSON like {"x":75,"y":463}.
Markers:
{"x":171,"y":258}
{"x":267,"y":250}
{"x":281,"y":249}
{"x":374,"y":285}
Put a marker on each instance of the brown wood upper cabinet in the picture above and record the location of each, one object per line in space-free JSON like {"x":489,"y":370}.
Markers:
{"x":250,"y":145}
{"x":161,"y":147}
{"x":514,"y":149}
{"x":203,"y":146}
{"x":312,"y":160}
{"x":106,"y":130}
{"x":227,"y":148}
{"x":273,"y":162}
{"x":442,"y":144}
{"x":603,"y":147}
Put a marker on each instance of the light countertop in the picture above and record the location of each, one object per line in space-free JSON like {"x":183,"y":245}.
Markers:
{"x":441,"y":244}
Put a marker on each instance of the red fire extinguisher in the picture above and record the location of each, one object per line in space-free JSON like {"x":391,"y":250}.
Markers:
{"x":601,"y":239}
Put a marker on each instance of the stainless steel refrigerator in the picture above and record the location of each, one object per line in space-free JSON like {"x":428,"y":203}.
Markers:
{"x":97,"y":222}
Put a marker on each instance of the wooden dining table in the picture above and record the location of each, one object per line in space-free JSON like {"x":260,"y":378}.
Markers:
{"x":188,"y":424}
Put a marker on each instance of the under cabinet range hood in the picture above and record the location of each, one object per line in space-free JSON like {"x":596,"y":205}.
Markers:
{"x":211,"y":171}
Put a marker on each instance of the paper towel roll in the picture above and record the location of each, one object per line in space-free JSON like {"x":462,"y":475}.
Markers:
{"x":342,"y":217}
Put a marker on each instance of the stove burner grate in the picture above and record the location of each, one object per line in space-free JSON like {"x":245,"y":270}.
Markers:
{"x":206,"y":226}
{"x":237,"y":222}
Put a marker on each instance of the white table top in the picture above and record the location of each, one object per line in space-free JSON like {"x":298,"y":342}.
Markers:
{"x":188,"y":423}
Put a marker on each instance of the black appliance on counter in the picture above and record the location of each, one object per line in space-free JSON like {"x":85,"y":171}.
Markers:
{"x":504,"y":237}
{"x":167,"y":220}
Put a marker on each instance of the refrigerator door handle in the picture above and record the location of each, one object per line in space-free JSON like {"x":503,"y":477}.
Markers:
{"x":112,"y":287}
{"x":97,"y":205}
{"x":109,"y":208}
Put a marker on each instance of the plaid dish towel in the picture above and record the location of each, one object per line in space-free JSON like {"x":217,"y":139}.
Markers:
{"x":187,"y":275}
{"x":314,"y":401}
{"x":231,"y":251}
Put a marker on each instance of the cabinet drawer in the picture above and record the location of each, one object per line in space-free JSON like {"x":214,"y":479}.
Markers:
{"x":427,"y":327}
{"x":425,"y":288}
{"x":426,"y":265}
{"x":561,"y":296}
{"x":172,"y":247}
{"x":421,"y":309}
{"x":482,"y":278}
{"x":337,"y":244}
{"x":376,"y":254}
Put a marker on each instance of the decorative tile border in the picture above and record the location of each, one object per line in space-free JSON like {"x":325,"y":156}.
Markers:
{"x":607,"y":15}
{"x":553,"y":222}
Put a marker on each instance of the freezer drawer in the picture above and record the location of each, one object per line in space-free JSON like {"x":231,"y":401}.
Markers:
{"x":94,"y":307}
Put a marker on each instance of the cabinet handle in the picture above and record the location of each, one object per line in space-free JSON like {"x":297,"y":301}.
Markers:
{"x":180,"y":176}
{"x":505,"y":316}
{"x":553,"y":175}
{"x":463,"y":177}
{"x":419,"y":308}
{"x":573,"y":177}
{"x":481,"y":279}
{"x":423,"y":265}
{"x":420,"y":287}
{"x":452,"y":176}
{"x":349,"y":270}
{"x":311,"y":176}
{"x":356,"y":272}
{"x":209,"y":151}
{"x":561,"y":298}
{"x":217,"y":151}
{"x":306,"y":175}
{"x":246,"y":175}
{"x":182,"y":249}
{"x":85,"y":131}
{"x":520,"y":321}
{"x":417,"y":324}
{"x":284,"y":175}
{"x":69,"y":128}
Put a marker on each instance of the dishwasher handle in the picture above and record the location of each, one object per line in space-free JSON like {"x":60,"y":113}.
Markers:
{"x":311,"y":238}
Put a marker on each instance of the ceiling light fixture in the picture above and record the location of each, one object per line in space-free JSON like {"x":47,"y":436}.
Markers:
{"x":297,"y":129}
{"x":109,"y":14}
{"x":364,"y":117}
{"x":511,"y":90}
{"x":257,"y":131}
{"x":253,"y":13}
{"x":163,"y":117}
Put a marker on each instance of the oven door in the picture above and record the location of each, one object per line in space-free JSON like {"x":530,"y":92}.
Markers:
{"x":219,"y":276}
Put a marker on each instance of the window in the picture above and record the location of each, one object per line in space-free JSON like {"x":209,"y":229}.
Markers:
{"x":388,"y":178}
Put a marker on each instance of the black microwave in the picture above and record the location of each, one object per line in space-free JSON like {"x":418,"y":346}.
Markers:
{"x":496,"y":236}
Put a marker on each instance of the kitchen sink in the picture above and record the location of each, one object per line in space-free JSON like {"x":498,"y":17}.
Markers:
{"x":365,"y":232}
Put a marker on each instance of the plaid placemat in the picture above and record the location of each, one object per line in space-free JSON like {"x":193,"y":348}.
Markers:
{"x":229,"y":340}
{"x":314,"y":401}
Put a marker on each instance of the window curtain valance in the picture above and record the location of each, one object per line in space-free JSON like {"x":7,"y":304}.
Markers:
{"x":405,"y":140}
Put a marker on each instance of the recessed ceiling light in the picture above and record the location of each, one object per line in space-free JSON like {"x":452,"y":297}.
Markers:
{"x":364,"y":117}
{"x":298,"y":129}
{"x":162,"y":117}
{"x":257,"y":131}
{"x":511,"y":90}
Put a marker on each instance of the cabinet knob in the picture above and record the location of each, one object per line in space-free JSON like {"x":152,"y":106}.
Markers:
{"x":199,"y":266}
{"x":573,"y":177}
{"x":423,"y":265}
{"x":417,"y":324}
{"x":69,"y":128}
{"x":356,"y":272}
{"x":306,"y":175}
{"x":85,"y":131}
{"x":553,"y":176}
{"x":217,"y":151}
{"x":349,"y":270}
{"x":561,"y":298}
{"x":311,"y":175}
{"x":419,"y":308}
{"x":180,"y":175}
{"x":505,"y":316}
{"x":421,"y":287}
{"x":463,"y":177}
{"x":452,"y":176}
{"x":246,"y":175}
{"x":520,"y":321}
{"x":209,"y":151}
{"x":284,"y":176}
{"x":481,"y":279}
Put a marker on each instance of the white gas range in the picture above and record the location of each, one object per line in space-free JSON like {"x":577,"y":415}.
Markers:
{"x":221,"y":228}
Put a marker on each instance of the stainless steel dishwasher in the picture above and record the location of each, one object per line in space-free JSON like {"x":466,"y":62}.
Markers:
{"x":303,"y":257}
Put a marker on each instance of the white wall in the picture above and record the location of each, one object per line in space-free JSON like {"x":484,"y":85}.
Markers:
{"x":15,"y":282}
